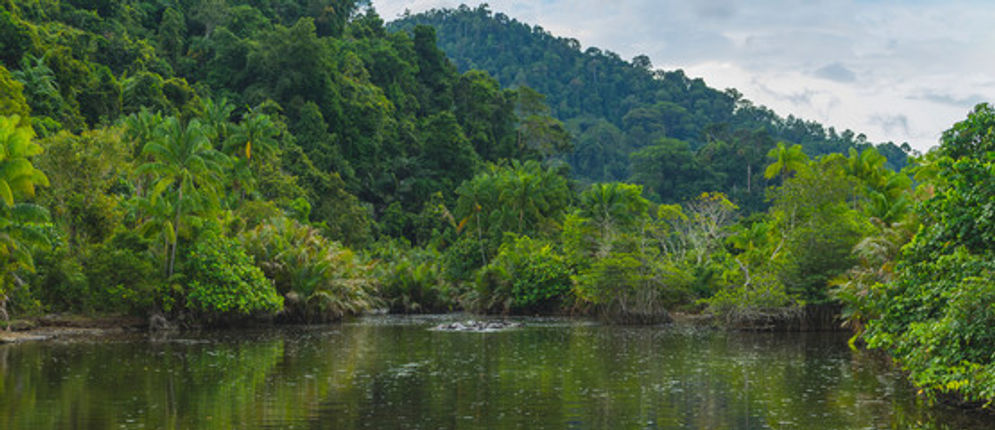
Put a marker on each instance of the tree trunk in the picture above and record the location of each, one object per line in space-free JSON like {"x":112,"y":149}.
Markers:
{"x":176,"y":232}
{"x":749,"y":178}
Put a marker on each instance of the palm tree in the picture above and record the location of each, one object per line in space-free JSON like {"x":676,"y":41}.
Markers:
{"x":787,"y":161}
{"x":216,"y":118}
{"x":19,"y":221}
{"x":253,"y":139}
{"x":18,"y":176}
{"x":612,"y":206}
{"x":184,"y":165}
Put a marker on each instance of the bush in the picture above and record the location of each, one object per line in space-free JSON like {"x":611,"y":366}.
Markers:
{"x":412,"y":280}
{"x":625,"y":287}
{"x":936,"y":319}
{"x":122,"y":274}
{"x":756,"y":304}
{"x":321,"y":279}
{"x":224,"y":285}
{"x":526,"y":276}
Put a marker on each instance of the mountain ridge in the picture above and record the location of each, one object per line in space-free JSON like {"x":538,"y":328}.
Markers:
{"x":615,"y":107}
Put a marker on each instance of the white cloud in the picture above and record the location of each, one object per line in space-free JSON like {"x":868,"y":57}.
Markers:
{"x":899,"y":71}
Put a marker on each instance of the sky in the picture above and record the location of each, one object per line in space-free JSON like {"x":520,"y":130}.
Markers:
{"x":901,"y":71}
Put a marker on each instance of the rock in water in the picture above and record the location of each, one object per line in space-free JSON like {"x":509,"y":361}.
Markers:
{"x":478,"y":326}
{"x":157,"y":322}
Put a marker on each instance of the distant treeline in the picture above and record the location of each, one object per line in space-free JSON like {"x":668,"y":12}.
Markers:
{"x":626,"y":118}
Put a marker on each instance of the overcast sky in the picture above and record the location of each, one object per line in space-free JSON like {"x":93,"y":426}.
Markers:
{"x":895,"y":70}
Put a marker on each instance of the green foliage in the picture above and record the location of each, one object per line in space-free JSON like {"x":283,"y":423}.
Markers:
{"x":616,"y":108}
{"x":22,"y":228}
{"x":12,"y":101}
{"x":412,"y":280}
{"x":118,"y":276}
{"x":525,"y":198}
{"x":669,"y":170}
{"x":20,"y":221}
{"x":606,"y":211}
{"x":123,"y":275}
{"x":319,"y":279}
{"x":15,"y":41}
{"x":619,"y":269}
{"x":84,"y":172}
{"x":526,"y":276}
{"x":446,"y":153}
{"x":786,"y":161}
{"x":222,"y":284}
{"x":186,"y":172}
{"x":935,"y":315}
{"x":819,"y":229}
{"x":757,"y":303}
{"x":631,"y":287}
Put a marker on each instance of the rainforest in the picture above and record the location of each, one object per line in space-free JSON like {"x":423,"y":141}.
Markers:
{"x":211,"y":163}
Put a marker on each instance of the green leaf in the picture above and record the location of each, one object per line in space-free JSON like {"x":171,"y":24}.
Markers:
{"x":5,"y":193}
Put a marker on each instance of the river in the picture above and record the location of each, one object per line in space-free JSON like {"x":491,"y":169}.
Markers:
{"x":396,"y":373}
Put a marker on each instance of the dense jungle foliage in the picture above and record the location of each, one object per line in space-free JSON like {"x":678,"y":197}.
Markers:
{"x":626,"y":117}
{"x":217,"y":161}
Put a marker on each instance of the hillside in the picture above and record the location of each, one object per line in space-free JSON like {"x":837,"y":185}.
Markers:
{"x":617,"y":109}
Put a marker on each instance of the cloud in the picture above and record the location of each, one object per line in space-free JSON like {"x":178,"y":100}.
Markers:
{"x":898,"y":124}
{"x":836,"y":72}
{"x":715,"y":9}
{"x":951,"y":100}
{"x":802,"y":96}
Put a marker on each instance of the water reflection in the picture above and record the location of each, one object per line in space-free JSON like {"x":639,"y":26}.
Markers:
{"x":394,"y":373}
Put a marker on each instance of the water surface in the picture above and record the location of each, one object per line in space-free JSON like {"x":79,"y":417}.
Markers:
{"x":395,"y":373}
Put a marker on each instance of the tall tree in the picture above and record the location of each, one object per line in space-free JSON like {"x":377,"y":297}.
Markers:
{"x":787,"y":160}
{"x":18,"y":220}
{"x":187,"y":169}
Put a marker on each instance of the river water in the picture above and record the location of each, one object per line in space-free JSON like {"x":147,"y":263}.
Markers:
{"x":396,"y":373}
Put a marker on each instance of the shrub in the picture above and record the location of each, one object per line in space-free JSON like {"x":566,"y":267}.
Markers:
{"x":412,"y":280}
{"x":757,"y":304}
{"x":122,"y":274}
{"x":321,"y":279}
{"x":629,"y":288}
{"x":526,"y":276}
{"x":223,"y":284}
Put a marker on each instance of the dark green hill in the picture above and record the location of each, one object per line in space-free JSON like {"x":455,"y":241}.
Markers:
{"x":615,"y":108}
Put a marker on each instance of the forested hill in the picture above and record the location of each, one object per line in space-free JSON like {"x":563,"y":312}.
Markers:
{"x":624,"y":114}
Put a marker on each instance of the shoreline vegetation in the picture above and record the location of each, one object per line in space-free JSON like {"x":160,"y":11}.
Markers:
{"x":219,"y":163}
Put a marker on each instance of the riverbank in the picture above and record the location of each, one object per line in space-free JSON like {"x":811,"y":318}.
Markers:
{"x":51,"y":327}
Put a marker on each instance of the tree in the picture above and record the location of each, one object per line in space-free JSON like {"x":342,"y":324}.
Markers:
{"x":84,"y":171}
{"x":819,"y":229}
{"x":611,"y":208}
{"x":253,"y":142}
{"x":12,"y":101}
{"x":787,"y":161}
{"x":210,"y":14}
{"x":18,"y":220}
{"x":16,"y":39}
{"x":18,"y":177}
{"x":447,"y":156}
{"x":187,"y":169}
{"x":669,"y":170}
{"x":172,"y":30}
{"x":539,"y":135}
{"x":40,"y":88}
{"x":935,"y":316}
{"x":521,"y":197}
